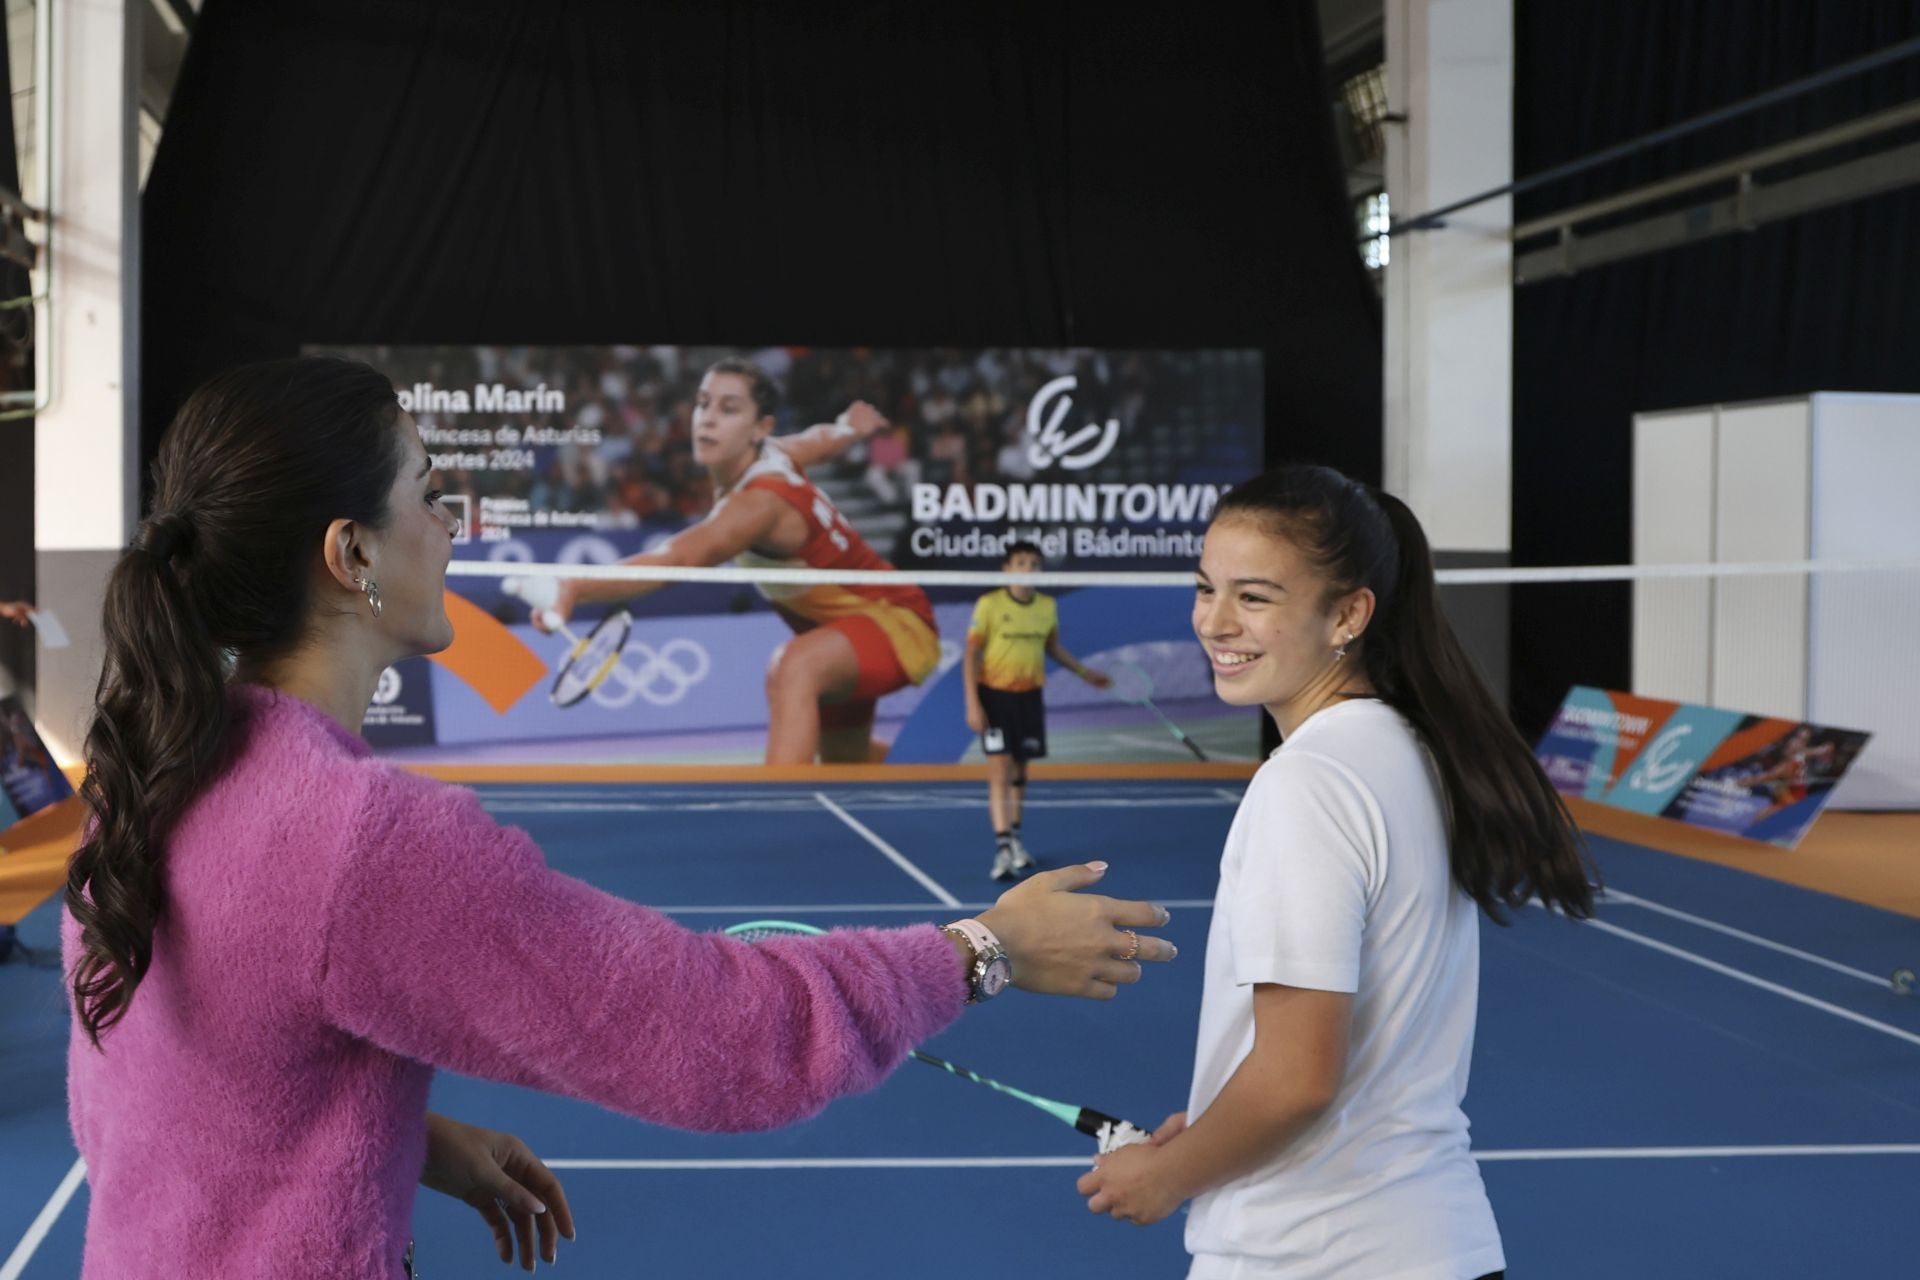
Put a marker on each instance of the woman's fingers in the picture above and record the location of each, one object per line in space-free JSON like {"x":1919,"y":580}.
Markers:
{"x":1066,"y":942}
{"x":523,"y":1227}
{"x":496,"y":1220}
{"x":558,"y":1219}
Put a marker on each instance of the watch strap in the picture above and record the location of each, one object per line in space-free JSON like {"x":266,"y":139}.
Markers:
{"x":985,"y":950}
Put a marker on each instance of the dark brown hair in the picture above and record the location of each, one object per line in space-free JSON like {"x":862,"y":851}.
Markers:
{"x":255,"y":466}
{"x":766,"y":396}
{"x":1511,"y":837}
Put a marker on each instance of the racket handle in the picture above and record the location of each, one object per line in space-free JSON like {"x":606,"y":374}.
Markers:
{"x":1111,"y":1132}
{"x":1192,"y":746}
{"x":551,"y":619}
{"x":1091,"y":1122}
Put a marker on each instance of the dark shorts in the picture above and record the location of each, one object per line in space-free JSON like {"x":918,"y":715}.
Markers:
{"x":1016,"y":723}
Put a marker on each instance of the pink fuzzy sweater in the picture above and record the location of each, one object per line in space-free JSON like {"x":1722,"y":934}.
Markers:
{"x":336,"y":929}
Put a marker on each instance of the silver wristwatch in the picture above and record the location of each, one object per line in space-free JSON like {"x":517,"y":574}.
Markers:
{"x":991,"y":969}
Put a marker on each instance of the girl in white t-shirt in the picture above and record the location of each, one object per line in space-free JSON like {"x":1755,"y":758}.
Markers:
{"x":1323,"y":1135}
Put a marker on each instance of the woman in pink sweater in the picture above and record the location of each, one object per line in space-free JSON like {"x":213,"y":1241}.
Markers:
{"x":274,"y":938}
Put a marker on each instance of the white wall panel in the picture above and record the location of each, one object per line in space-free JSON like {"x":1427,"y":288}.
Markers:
{"x":1864,"y":628}
{"x":1673,"y":482}
{"x":1761,"y":512}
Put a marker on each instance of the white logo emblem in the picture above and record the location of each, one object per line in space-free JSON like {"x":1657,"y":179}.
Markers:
{"x":1047,"y":439}
{"x":388,"y":689}
{"x":1658,"y":770}
{"x":663,"y":677}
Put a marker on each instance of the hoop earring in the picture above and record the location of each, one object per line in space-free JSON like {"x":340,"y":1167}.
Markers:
{"x":372,"y":589}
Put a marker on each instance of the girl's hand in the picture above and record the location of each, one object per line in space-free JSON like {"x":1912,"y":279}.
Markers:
{"x":1131,"y":1184}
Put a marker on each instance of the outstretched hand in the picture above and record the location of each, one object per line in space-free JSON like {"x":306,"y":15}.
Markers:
{"x":1065,"y":942}
{"x":865,"y":420}
{"x":499,"y":1176}
{"x":551,"y":617}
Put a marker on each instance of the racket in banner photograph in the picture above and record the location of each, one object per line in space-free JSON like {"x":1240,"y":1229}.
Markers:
{"x":1109,"y":1132}
{"x":1132,"y":685}
{"x":591,"y":658}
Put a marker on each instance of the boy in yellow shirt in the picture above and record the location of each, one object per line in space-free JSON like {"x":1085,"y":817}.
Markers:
{"x":1014,"y":631}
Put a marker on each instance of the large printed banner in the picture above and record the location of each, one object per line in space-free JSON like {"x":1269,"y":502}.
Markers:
{"x":1109,"y":460}
{"x":1744,"y":775}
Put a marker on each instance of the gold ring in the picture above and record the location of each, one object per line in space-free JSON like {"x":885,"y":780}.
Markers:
{"x":1133,"y":950}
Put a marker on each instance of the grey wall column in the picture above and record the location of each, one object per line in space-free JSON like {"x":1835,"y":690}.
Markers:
{"x":1449,"y":296}
{"x":87,"y":443}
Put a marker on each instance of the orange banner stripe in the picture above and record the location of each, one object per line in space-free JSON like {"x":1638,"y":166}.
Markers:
{"x":490,"y":658}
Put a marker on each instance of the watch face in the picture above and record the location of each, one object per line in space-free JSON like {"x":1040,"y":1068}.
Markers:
{"x":993,"y":979}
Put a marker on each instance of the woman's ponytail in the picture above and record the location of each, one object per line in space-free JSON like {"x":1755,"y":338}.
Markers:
{"x":157,"y":737}
{"x":1512,"y":837}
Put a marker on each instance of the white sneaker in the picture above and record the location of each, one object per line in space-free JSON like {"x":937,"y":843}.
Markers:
{"x":1003,"y":865}
{"x":1022,"y":860}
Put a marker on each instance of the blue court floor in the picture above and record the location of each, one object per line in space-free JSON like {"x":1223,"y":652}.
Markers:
{"x":1715,"y":1079}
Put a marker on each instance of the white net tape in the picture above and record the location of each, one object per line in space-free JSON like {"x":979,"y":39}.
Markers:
{"x":1046,"y":580}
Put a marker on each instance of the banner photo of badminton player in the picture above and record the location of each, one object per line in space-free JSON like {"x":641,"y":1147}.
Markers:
{"x":911,"y":458}
{"x":1744,"y":775}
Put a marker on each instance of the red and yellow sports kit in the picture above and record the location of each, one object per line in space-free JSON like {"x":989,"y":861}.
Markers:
{"x":891,"y":627}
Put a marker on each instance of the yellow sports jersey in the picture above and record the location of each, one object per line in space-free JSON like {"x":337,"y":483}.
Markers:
{"x":1012,"y":639}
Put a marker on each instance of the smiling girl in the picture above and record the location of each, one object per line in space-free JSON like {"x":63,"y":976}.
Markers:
{"x":1324,"y":1135}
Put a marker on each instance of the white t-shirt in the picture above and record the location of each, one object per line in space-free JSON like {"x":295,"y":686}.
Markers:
{"x":1335,"y":878}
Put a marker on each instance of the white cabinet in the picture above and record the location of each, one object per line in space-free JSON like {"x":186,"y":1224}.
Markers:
{"x":1829,"y":477}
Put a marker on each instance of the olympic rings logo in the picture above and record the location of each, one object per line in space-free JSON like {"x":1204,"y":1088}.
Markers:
{"x":662,"y":677}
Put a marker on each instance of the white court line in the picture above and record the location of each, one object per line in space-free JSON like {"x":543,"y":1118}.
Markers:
{"x":788,"y":910}
{"x":797,"y":804}
{"x":899,"y":859}
{"x":1741,"y":975}
{"x":30,"y":1243}
{"x":1173,"y":748}
{"x":1633,"y":900}
{"x":842,"y":1162}
{"x":1081,"y":1162}
{"x":1067,"y":788}
{"x":1703,"y":1153}
{"x":1226,"y":795}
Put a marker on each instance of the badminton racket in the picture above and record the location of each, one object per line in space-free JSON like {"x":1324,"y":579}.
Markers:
{"x":1132,"y":685}
{"x":1109,"y":1131}
{"x":592,"y":657}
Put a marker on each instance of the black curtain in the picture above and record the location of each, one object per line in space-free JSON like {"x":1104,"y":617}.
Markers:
{"x":1822,"y":302}
{"x":718,"y":171}
{"x":16,"y":436}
